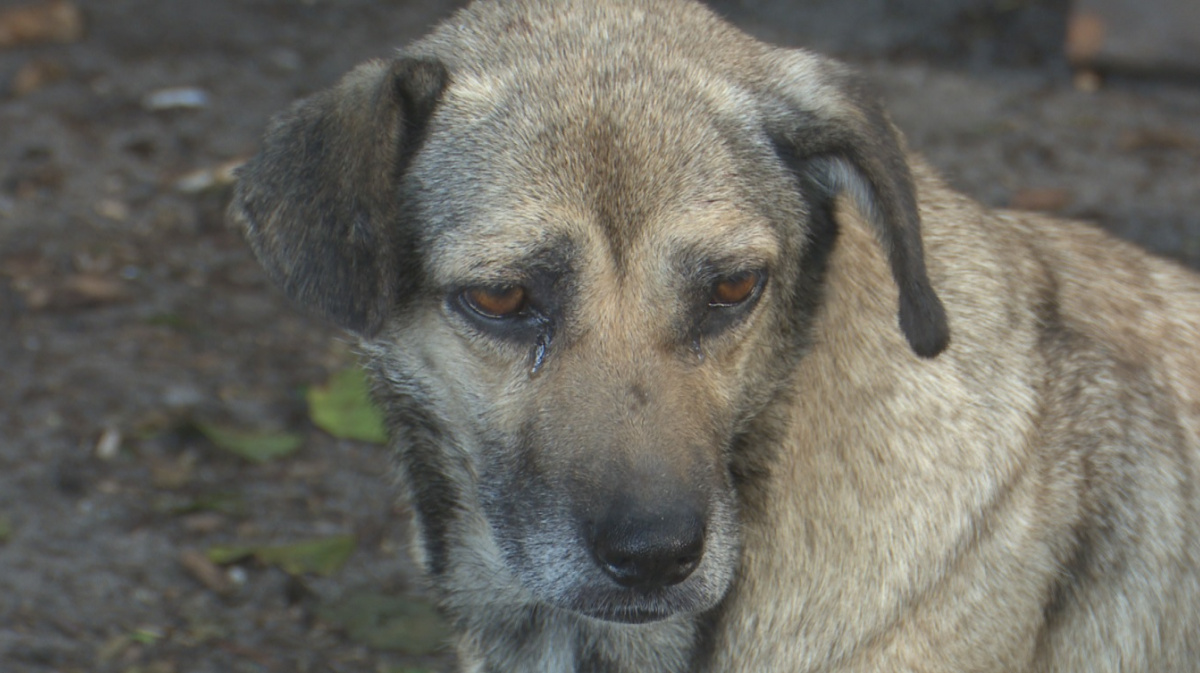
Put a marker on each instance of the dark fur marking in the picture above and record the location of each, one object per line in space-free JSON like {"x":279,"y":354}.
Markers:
{"x":589,"y":660}
{"x":1109,"y":524}
{"x":611,"y":183}
{"x":639,"y":396}
{"x":509,"y":636}
{"x":417,"y":84}
{"x":1061,"y":596}
{"x":522,"y":474}
{"x":750,"y":464}
{"x":435,"y":496}
{"x":814,"y":264}
{"x":807,"y":291}
{"x":705,"y":642}
{"x":1054,"y":337}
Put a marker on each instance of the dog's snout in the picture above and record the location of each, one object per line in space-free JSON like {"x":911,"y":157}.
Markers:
{"x":649,"y":549}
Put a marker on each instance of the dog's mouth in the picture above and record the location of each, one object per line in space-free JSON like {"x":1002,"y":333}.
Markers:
{"x":628,"y":615}
{"x":626,"y":606}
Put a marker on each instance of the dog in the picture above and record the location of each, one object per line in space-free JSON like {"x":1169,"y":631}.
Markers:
{"x":691,"y":365}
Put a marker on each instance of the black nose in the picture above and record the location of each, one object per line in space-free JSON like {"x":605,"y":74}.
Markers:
{"x":649,"y":550}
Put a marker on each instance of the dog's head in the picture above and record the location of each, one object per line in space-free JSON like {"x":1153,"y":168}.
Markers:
{"x":584,"y":244}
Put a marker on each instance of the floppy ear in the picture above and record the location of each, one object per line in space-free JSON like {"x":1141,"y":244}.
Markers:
{"x":830,"y":129}
{"x":320,"y":204}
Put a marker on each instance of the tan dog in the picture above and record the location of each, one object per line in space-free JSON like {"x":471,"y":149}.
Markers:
{"x":629,"y":281}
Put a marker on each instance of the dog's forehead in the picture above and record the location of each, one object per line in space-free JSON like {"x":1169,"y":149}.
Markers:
{"x":601,"y":125}
{"x":564,"y":237}
{"x":531,"y":218}
{"x":630,"y":162}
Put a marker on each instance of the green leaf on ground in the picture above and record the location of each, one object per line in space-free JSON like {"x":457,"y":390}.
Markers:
{"x":146,"y":635}
{"x":230,"y":504}
{"x":396,"y":623}
{"x":255,"y":446}
{"x":172,"y":320}
{"x":322,"y":557}
{"x":343,"y":407}
{"x":223,"y":555}
{"x":6,"y":528}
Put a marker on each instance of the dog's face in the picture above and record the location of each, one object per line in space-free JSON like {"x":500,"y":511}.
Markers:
{"x":578,"y":284}
{"x":602,"y":320}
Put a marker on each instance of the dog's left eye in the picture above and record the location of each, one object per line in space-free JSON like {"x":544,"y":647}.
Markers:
{"x":734,"y":290}
{"x":496,"y":302}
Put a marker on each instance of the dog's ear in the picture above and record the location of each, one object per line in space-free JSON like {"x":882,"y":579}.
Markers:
{"x":321,"y":205}
{"x":834,"y":133}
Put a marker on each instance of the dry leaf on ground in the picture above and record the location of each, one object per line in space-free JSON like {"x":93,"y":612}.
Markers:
{"x":54,"y":21}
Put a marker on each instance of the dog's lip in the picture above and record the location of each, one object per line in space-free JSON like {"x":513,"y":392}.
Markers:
{"x":628,"y":615}
{"x":644,"y":611}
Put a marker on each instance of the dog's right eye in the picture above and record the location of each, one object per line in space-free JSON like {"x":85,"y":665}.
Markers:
{"x":496,"y":302}
{"x":735,"y":290}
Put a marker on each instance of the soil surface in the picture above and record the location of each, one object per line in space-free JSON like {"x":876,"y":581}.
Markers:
{"x":130,"y":313}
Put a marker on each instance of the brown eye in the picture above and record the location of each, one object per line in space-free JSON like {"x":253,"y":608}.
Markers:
{"x":735,"y":289}
{"x":496,"y":302}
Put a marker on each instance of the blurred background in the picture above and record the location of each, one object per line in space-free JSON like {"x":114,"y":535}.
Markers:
{"x":189,"y":480}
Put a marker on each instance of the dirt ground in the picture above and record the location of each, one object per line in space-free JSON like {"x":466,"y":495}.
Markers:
{"x":129,"y":312}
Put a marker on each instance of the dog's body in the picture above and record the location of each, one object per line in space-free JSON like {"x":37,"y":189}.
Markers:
{"x":628,"y":281}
